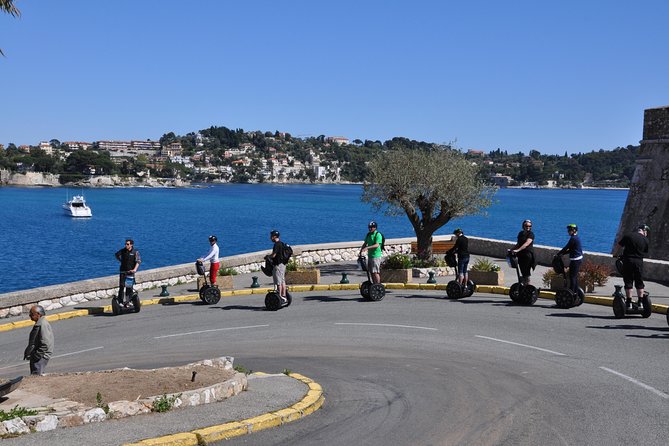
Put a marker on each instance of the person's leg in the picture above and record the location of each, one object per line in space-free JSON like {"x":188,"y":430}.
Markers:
{"x":574,"y":268}
{"x":628,"y":279}
{"x":375,"y":271}
{"x":121,"y":287}
{"x":213,"y":272}
{"x":281,"y":279}
{"x":463,"y":264}
{"x":525,"y":264}
{"x":37,"y":367}
{"x":638,"y":279}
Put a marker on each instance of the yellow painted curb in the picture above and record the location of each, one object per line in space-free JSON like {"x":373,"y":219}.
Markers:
{"x":182,"y":439}
{"x":262,"y":422}
{"x":320,"y":288}
{"x":225,"y":431}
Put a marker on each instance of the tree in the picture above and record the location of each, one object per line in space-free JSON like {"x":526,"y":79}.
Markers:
{"x":430,"y":186}
{"x":9,"y":7}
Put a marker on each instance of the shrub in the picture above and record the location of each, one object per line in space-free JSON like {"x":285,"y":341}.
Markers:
{"x":397,"y":261}
{"x":548,"y":277}
{"x":16,"y":412}
{"x":594,"y":274}
{"x":292,"y":265}
{"x":165,"y":403}
{"x":485,"y":265}
{"x":227,"y":272}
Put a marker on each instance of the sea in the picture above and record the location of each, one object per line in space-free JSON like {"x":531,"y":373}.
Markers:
{"x":43,"y":246}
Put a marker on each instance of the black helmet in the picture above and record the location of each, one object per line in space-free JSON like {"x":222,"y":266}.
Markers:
{"x":572,"y":226}
{"x":644,"y":227}
{"x":274,"y":233}
{"x":372,"y":224}
{"x":457,"y":231}
{"x":212,"y":238}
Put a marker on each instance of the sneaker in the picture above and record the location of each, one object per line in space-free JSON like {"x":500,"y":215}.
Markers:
{"x":283,"y":300}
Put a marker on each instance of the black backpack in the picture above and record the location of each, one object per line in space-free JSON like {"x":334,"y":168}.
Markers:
{"x":287,"y":253}
{"x":383,"y":242}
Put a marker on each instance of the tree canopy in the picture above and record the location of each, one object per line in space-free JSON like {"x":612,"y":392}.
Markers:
{"x":430,"y":186}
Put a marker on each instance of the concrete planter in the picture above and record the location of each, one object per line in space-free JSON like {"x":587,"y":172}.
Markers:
{"x":305,"y":277}
{"x":223,"y":282}
{"x":396,"y":275}
{"x":487,"y":277}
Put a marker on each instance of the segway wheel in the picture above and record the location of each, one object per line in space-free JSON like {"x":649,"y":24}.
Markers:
{"x":619,"y":307}
{"x":454,"y":290}
{"x":528,"y":295}
{"x":136,"y":304}
{"x":470,"y":288}
{"x":514,"y":293}
{"x":564,"y":298}
{"x":580,"y":298}
{"x":667,"y":317}
{"x":211,"y":295}
{"x":202,"y":290}
{"x":647,"y":306}
{"x":272,"y":301}
{"x":116,"y":307}
{"x":376,"y":291}
{"x":364,"y":289}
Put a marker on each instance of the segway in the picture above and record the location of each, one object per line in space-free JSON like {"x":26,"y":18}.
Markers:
{"x":454,"y":289}
{"x":127,"y":300}
{"x":273,"y":300}
{"x":565,"y":297}
{"x":209,"y":293}
{"x":368,"y":290}
{"x":521,"y":293}
{"x":620,"y":308}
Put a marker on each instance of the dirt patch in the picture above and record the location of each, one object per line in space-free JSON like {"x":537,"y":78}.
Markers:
{"x":116,"y":385}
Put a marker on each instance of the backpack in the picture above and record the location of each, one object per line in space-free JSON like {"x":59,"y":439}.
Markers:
{"x":286,"y":254}
{"x":383,"y":242}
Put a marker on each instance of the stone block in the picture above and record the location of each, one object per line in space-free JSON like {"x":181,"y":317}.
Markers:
{"x":49,"y":423}
{"x":16,"y":426}
{"x":94,"y":415}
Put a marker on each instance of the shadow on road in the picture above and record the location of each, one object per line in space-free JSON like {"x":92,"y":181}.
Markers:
{"x":240,"y":307}
{"x":627,"y":327}
{"x":335,"y":299}
{"x":579,"y":315}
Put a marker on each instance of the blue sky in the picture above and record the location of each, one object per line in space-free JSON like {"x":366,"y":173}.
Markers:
{"x":562,"y":76}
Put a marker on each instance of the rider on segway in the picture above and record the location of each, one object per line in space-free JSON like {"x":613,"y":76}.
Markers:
{"x":575,"y":250}
{"x":214,"y":261}
{"x":130,"y":259}
{"x":461,"y":248}
{"x":372,"y":242}
{"x":279,"y":262}
{"x":635,"y":248}
{"x":524,"y":250}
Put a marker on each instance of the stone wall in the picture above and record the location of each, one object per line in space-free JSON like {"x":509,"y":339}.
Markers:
{"x":8,"y":178}
{"x":648,"y":198}
{"x":70,"y":294}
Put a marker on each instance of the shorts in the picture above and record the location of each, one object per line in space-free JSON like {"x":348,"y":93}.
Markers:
{"x":279,"y":274}
{"x":374,"y":265}
{"x":463,"y":263}
{"x":633,"y":273}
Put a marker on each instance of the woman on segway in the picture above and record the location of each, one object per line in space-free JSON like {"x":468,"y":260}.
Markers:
{"x":575,"y":250}
{"x":524,"y":250}
{"x":214,"y":261}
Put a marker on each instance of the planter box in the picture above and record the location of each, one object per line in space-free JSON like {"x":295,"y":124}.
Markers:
{"x":223,"y":282}
{"x":439,"y":271}
{"x":307,"y":276}
{"x":396,"y":275}
{"x":487,"y":277}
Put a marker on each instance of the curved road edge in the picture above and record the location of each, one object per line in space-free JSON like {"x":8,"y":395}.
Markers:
{"x":312,"y":401}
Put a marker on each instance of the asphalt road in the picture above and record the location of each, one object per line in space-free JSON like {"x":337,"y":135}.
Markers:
{"x":413,"y":369}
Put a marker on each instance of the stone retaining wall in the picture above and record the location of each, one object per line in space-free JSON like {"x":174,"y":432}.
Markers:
{"x":74,"y":293}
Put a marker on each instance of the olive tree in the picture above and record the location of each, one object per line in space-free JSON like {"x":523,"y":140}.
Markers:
{"x":430,"y":186}
{"x":8,"y":7}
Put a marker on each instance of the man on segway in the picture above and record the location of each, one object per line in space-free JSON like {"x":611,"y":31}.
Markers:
{"x":575,"y":250}
{"x":461,"y":248}
{"x":372,"y":242}
{"x":130,"y":260}
{"x":635,"y":248}
{"x":279,"y":262}
{"x":214,"y":261}
{"x":524,"y":250}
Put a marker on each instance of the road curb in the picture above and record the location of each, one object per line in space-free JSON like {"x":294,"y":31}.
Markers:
{"x":492,"y":289}
{"x":311,"y":402}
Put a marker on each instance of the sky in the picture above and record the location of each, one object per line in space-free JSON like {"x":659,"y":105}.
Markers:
{"x":568,"y":76}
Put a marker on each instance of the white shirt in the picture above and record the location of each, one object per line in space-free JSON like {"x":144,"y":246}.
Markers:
{"x":212,"y":255}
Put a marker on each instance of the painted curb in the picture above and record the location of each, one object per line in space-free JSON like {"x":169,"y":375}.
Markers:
{"x":311,"y":402}
{"x":491,"y":289}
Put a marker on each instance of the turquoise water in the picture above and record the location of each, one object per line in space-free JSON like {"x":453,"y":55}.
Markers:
{"x":170,"y":226}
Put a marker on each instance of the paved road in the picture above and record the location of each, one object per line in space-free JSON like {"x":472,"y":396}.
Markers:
{"x":412,"y":369}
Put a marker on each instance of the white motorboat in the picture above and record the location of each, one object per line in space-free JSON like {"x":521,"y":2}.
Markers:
{"x":77,"y":207}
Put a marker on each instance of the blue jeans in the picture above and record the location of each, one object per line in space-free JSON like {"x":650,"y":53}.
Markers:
{"x":463,"y":263}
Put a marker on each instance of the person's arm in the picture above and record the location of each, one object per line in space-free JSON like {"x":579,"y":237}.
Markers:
{"x":138,"y":260}
{"x":527,"y":243}
{"x":209,"y":255}
{"x":567,"y":247}
{"x":118,"y":254}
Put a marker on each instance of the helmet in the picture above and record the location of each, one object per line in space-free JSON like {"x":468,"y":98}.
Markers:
{"x":644,"y":227}
{"x":527,"y":222}
{"x":572,"y":226}
{"x":457,"y":231}
{"x":274,"y":233}
{"x":212,"y":238}
{"x":372,"y":224}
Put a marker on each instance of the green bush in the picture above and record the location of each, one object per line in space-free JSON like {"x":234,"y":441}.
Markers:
{"x":432,"y":262}
{"x":397,"y":261}
{"x":485,"y":265}
{"x":16,"y":412}
{"x":165,"y":403}
{"x":227,"y":272}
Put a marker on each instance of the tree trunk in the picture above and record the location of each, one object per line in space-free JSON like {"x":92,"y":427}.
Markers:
{"x":424,"y":239}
